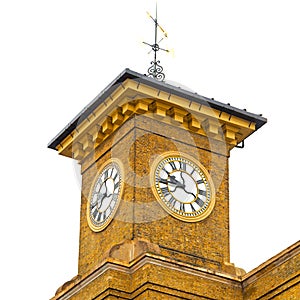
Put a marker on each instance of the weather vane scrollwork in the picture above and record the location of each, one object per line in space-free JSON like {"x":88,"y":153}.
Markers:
{"x":156,"y":70}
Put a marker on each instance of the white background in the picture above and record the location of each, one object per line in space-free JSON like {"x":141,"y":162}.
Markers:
{"x":56,"y":56}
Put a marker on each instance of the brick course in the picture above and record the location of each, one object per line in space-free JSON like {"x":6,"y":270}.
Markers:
{"x":145,"y":253}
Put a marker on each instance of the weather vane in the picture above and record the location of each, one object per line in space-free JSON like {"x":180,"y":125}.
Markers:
{"x":156,"y":70}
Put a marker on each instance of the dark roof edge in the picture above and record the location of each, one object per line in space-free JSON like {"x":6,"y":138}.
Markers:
{"x":127,"y":73}
{"x":258,"y":119}
{"x":87,"y":110}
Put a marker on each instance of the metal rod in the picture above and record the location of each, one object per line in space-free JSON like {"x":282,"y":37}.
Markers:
{"x":156,"y":70}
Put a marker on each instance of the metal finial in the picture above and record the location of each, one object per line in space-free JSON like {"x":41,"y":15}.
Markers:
{"x":156,"y":70}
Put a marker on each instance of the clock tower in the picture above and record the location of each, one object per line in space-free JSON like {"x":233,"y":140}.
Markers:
{"x":154,"y":220}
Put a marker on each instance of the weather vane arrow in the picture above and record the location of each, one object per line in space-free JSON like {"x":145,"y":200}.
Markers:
{"x":156,"y":70}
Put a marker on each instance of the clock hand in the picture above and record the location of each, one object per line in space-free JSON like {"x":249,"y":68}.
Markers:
{"x":100,"y":201}
{"x":162,"y":180}
{"x":176,"y":182}
{"x":190,"y":193}
{"x":183,"y":181}
{"x":172,"y":180}
{"x":181,"y":175}
{"x":109,"y":194}
{"x":177,"y":186}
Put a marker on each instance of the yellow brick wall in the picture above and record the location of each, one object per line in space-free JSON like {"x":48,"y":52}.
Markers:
{"x":94,"y":245}
{"x":190,"y":262}
{"x":136,"y":144}
{"x":278,"y":278}
{"x":160,"y":279}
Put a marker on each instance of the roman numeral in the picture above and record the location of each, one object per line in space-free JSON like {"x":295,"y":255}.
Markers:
{"x":106,"y":174}
{"x":98,"y":216}
{"x":181,"y":206}
{"x":202,"y":193}
{"x":93,"y":207}
{"x":114,"y":177}
{"x":164,"y":181}
{"x":164,"y":169}
{"x":192,"y":207}
{"x":199,"y":202}
{"x":182,"y":165}
{"x":94,"y":213}
{"x":117,"y":184}
{"x":172,"y":201}
{"x":165,"y":190}
{"x":173,"y":165}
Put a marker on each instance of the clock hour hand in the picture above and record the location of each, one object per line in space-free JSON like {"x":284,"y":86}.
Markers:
{"x":181,"y":175}
{"x":171,"y":180}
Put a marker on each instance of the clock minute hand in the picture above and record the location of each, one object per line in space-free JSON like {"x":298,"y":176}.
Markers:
{"x":100,"y":201}
{"x":184,"y":187}
{"x":189,"y":193}
{"x":183,"y":181}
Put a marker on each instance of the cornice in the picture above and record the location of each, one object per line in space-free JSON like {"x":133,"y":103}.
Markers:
{"x":131,"y":98}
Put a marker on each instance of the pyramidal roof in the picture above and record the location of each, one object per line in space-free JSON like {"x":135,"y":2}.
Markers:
{"x":179,"y":91}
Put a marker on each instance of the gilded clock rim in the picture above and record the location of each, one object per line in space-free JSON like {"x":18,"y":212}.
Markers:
{"x":173,"y":154}
{"x":101,"y":227}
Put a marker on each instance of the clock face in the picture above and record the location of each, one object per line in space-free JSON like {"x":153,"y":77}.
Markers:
{"x":105,"y":196}
{"x":183,"y":188}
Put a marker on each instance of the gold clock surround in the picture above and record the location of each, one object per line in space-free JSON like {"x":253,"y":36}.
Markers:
{"x":118,"y":165}
{"x":200,"y":214}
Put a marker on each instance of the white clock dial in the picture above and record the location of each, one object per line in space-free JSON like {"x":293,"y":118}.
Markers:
{"x":183,"y":188}
{"x":104,"y":198}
